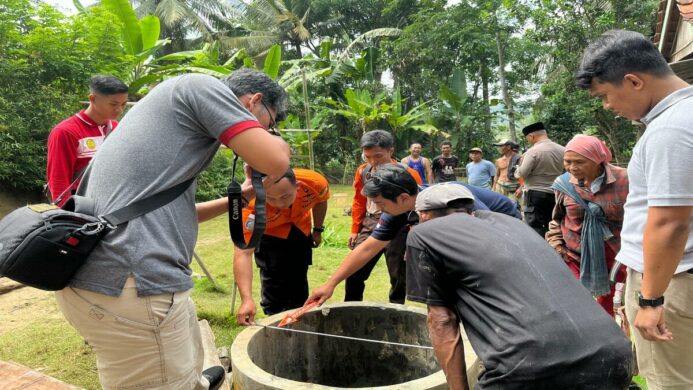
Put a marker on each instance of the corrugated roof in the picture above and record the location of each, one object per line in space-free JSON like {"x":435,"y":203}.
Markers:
{"x":672,"y":24}
{"x":685,"y":9}
{"x":684,"y":69}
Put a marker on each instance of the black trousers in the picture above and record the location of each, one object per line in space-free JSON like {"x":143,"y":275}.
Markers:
{"x":538,"y":209}
{"x":610,"y":368}
{"x":283,"y":267}
{"x":396,"y":267}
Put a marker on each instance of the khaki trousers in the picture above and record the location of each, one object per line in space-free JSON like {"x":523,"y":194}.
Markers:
{"x":148,"y":342}
{"x":665,"y":365}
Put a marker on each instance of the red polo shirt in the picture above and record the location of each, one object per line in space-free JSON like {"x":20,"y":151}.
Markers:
{"x":71,"y":145}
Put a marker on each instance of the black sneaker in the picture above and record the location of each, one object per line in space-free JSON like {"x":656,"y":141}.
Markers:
{"x":215,"y":375}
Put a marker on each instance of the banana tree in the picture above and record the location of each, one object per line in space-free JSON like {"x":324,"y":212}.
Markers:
{"x":140,"y":39}
{"x":400,"y":120}
{"x":454,"y":101}
{"x":207,"y":61}
{"x":361,"y":107}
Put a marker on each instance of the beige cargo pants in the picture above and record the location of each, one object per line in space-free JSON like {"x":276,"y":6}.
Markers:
{"x":666,"y":365}
{"x":148,"y":342}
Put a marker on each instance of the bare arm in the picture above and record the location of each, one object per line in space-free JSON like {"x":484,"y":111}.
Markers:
{"x":664,"y":242}
{"x":263,"y":151}
{"x":429,"y":170}
{"x":555,"y":236}
{"x":444,"y":329}
{"x":243,"y":274}
{"x":357,"y":259}
{"x":352,"y":263}
{"x":526,"y":167}
{"x":211,"y":209}
{"x":319,"y":213}
{"x":495,"y":178}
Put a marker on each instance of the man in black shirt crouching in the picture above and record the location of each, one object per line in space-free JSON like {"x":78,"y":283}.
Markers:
{"x":531,"y":324}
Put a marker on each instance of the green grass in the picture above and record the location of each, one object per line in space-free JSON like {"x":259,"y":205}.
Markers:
{"x":641,"y":382}
{"x":37,"y":335}
{"x":43,"y":340}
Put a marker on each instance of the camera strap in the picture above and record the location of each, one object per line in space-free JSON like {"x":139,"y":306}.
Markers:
{"x":236,"y":210}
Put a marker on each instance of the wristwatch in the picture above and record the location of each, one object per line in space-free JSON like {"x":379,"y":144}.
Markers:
{"x":642,"y":302}
{"x":318,"y":229}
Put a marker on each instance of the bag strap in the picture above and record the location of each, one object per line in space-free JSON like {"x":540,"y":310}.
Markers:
{"x":146,"y":205}
{"x":364,"y":173}
{"x":234,"y":193}
{"x":75,"y":178}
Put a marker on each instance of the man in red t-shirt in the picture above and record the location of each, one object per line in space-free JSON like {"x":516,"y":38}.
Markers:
{"x":74,"y":141}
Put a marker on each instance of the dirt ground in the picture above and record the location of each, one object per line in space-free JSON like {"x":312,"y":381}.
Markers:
{"x":18,"y":305}
{"x":21,"y":305}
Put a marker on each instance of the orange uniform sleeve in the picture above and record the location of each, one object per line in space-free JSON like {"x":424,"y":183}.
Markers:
{"x":316,"y":182}
{"x":248,"y":227}
{"x":416,"y":176}
{"x":358,"y":205}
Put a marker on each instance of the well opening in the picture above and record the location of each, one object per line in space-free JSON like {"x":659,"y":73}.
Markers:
{"x":347,"y":363}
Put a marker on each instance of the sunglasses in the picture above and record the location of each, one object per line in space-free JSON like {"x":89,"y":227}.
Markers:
{"x":377,"y":180}
{"x":272,"y":128}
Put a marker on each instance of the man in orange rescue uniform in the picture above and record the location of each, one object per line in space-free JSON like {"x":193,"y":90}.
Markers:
{"x":286,"y":248}
{"x":377,"y":147}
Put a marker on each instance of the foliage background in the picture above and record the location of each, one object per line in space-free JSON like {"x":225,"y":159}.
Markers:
{"x":425,"y":70}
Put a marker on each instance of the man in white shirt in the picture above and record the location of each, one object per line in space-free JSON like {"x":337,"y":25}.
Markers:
{"x":629,"y":75}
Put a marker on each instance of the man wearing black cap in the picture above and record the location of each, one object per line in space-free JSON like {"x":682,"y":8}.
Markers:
{"x":540,"y":166}
{"x":505,"y":181}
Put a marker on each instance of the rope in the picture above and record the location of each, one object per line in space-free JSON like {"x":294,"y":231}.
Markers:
{"x":345,"y":337}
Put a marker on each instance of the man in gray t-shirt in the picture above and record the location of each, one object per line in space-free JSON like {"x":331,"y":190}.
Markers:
{"x":169,"y":137}
{"x":530,"y":322}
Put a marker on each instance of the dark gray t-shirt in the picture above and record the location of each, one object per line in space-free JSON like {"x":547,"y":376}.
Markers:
{"x":525,"y":314}
{"x":444,"y":168}
{"x":167,"y":138}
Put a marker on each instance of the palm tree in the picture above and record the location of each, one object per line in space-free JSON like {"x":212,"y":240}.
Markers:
{"x":266,"y":22}
{"x":185,"y":21}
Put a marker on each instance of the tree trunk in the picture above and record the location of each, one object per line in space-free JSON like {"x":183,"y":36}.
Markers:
{"x":606,"y":128}
{"x":485,"y":93}
{"x":297,"y":47}
{"x":504,"y":87}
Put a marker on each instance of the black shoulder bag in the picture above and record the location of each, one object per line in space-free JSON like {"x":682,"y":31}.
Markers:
{"x":236,"y":210}
{"x":43,"y":246}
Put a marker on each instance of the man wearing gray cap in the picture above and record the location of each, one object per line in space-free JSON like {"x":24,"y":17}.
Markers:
{"x":540,"y":166}
{"x":530,"y":322}
{"x":505,"y":181}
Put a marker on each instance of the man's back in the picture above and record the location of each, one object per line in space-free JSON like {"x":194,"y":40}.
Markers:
{"x":541,"y":164}
{"x":494,"y":201}
{"x":524,"y":313}
{"x":167,"y":138}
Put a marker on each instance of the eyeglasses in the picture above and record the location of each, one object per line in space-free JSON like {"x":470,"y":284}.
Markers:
{"x":377,"y":180}
{"x":272,"y":128}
